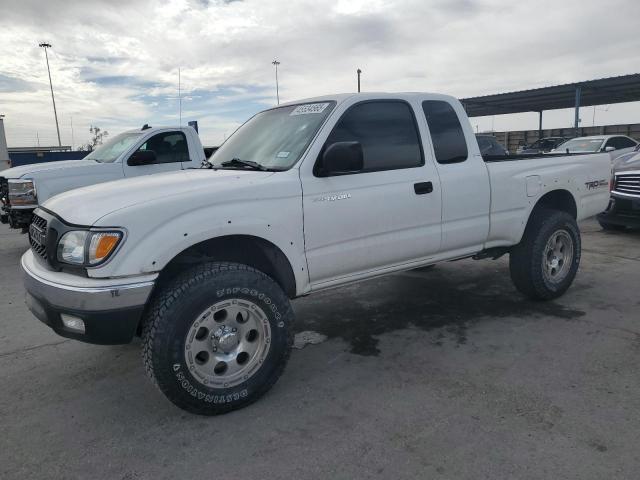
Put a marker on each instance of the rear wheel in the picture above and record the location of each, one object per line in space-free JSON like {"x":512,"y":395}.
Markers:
{"x":217,"y":338}
{"x":544,"y":264}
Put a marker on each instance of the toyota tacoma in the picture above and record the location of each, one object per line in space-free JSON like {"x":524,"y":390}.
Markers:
{"x":304,"y":197}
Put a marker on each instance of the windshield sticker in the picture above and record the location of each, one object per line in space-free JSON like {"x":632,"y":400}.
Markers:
{"x":309,"y":108}
{"x":283,"y":154}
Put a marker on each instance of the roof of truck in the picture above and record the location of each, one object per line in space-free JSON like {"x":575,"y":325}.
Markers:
{"x":341,"y":97}
{"x":161,"y":127}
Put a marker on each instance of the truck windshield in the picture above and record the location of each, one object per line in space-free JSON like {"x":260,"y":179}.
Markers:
{"x":274,"y":139}
{"x":581,"y":145}
{"x":109,"y":151}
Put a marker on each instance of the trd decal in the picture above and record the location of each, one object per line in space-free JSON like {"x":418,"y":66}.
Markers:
{"x":596,"y":184}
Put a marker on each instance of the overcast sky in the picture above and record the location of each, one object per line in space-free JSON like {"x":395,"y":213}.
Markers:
{"x":115,"y":63}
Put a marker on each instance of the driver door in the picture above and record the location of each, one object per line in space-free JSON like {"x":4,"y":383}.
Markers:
{"x":384,"y":215}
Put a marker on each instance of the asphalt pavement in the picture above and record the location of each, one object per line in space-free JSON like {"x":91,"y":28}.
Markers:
{"x":444,"y":373}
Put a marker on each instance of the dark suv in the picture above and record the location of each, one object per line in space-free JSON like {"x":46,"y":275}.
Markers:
{"x":543,"y":145}
{"x":624,"y":206}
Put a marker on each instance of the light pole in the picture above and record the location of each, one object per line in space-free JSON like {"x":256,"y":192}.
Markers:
{"x":55,"y":113}
{"x":275,"y":63}
{"x":359,"y":72}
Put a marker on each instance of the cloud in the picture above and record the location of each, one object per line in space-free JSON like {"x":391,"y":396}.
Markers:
{"x":115,"y":63}
{"x":15,"y":85}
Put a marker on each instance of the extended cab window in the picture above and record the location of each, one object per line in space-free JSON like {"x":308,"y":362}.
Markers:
{"x":449,"y":144}
{"x":387,"y":132}
{"x":169,"y":147}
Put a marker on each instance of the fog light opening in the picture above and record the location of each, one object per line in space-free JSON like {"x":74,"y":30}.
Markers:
{"x":72,"y":323}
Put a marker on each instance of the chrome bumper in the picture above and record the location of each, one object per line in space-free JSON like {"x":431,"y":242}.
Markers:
{"x":118,"y":294}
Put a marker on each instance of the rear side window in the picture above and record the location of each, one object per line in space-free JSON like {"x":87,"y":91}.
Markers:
{"x":447,"y":136}
{"x":387,"y":132}
{"x":621,"y":142}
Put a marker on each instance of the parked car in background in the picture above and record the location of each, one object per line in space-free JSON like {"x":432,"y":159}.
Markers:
{"x":303,"y":197}
{"x":624,"y":205}
{"x":130,"y":154}
{"x":208,"y":151}
{"x":542,"y":145}
{"x":489,"y":146}
{"x":614,"y":145}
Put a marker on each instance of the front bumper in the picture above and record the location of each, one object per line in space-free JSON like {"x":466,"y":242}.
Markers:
{"x":109,"y":308}
{"x":16,"y":217}
{"x":623,"y":211}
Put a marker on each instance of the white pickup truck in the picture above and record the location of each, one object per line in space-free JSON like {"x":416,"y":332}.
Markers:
{"x":303,"y":197}
{"x":128,"y":154}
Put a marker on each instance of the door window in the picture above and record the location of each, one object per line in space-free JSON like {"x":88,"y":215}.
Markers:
{"x":387,"y":132}
{"x":169,"y":147}
{"x":449,"y":144}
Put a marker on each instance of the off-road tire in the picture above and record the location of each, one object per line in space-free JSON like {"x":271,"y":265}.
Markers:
{"x":171,"y":314}
{"x":526,"y":258}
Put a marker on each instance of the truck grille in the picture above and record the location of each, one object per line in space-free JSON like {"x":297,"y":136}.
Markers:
{"x":38,"y":236}
{"x":628,"y":183}
{"x":4,"y":191}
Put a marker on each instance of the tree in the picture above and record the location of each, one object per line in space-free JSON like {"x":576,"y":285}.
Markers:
{"x":97,"y":136}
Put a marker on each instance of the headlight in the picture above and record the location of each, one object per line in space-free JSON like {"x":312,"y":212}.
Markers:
{"x":22,"y":193}
{"x":72,"y":246}
{"x":82,"y":247}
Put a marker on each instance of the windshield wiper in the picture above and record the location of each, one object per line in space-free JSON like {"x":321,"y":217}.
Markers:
{"x":238,"y":162}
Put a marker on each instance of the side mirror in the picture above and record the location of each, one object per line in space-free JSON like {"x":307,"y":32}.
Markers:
{"x":142,"y":157}
{"x":609,"y":149}
{"x":342,"y":157}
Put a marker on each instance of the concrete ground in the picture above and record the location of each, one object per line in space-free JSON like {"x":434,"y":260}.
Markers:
{"x":440,"y":374}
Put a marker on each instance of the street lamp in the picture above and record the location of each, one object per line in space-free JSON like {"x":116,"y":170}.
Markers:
{"x":275,"y":63}
{"x":55,"y":113}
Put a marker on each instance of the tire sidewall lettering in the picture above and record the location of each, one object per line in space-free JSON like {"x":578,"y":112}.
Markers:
{"x":206,"y":397}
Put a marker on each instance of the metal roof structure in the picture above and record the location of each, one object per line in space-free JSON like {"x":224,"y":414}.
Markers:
{"x":603,"y":91}
{"x":61,"y":148}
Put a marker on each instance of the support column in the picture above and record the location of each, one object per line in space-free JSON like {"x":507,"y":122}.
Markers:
{"x":577,"y":107}
{"x":539,"y":125}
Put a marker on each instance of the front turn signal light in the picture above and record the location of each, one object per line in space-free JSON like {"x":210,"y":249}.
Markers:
{"x":102,"y":245}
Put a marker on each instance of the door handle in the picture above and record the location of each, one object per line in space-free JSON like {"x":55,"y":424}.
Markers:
{"x":423,"y":187}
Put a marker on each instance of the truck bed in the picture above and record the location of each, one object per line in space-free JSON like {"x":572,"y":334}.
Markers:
{"x":517,"y":185}
{"x":529,"y":156}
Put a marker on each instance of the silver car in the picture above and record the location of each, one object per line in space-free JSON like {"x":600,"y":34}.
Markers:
{"x":614,"y":145}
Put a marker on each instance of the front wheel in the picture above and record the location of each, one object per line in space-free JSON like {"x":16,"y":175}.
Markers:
{"x":544,"y":264}
{"x":218,"y":337}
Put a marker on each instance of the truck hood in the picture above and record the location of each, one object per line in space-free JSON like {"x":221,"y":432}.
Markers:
{"x":627,"y":162}
{"x":85,"y":206}
{"x":27,"y":170}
